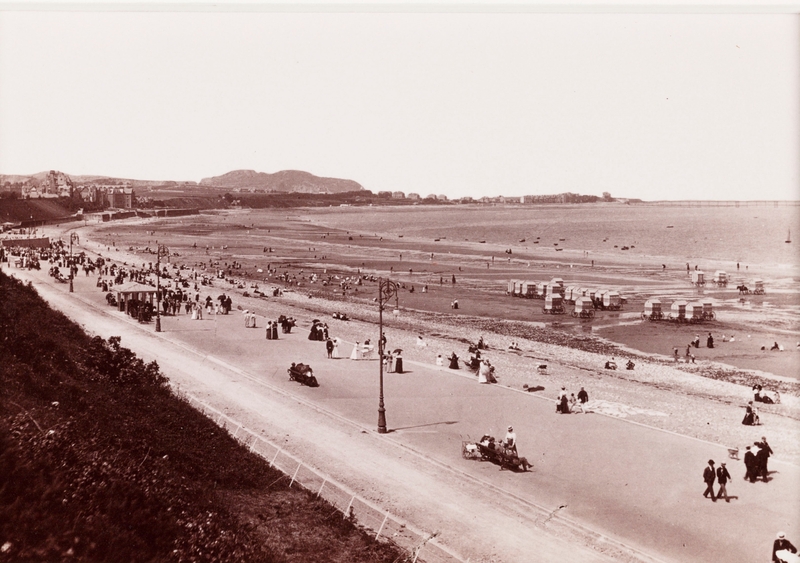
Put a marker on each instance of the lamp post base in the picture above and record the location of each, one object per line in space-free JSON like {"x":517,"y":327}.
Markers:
{"x":382,"y":421}
{"x":158,"y":324}
{"x":71,"y":290}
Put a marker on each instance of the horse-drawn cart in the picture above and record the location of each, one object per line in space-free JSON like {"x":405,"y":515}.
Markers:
{"x":489,"y":450}
{"x":304,"y":374}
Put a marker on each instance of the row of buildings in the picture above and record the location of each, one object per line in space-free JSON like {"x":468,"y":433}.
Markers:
{"x":57,"y":184}
{"x":555,"y":198}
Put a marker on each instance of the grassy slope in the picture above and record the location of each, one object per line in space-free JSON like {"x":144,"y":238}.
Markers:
{"x":100,"y":462}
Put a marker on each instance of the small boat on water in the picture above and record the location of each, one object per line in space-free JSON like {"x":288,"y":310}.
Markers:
{"x":669,"y":226}
{"x":482,"y":241}
{"x":436,"y":240}
{"x":788,"y":237}
{"x":522,"y":240}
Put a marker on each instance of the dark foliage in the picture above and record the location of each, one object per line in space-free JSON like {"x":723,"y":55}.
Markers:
{"x":99,"y":461}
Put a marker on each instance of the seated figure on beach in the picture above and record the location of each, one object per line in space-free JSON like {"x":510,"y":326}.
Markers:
{"x":749,"y":415}
{"x":611,"y":364}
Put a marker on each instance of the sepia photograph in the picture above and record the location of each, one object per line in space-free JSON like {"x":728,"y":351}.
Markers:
{"x":320,"y":282}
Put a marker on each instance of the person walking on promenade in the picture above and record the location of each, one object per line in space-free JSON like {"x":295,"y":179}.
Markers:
{"x":709,"y":475}
{"x":750,"y":465}
{"x":710,"y":341}
{"x":767,"y":452}
{"x":781,"y":544}
{"x":329,"y":348}
{"x":335,"y":354}
{"x":722,"y":478}
{"x":762,"y":455}
{"x":583,"y":396}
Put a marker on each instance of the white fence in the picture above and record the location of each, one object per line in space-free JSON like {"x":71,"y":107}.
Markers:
{"x":420,"y":546}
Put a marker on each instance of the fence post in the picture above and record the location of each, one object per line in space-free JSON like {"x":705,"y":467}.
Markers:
{"x":350,"y":504}
{"x":272,"y":463}
{"x":385,"y":518}
{"x":295,"y":473}
{"x":320,"y":487}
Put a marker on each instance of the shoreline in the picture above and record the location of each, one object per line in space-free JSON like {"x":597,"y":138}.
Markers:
{"x":480,"y":290}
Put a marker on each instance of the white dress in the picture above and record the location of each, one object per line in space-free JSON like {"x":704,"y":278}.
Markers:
{"x":482,"y":371}
{"x":335,"y":353}
{"x":354,"y":353}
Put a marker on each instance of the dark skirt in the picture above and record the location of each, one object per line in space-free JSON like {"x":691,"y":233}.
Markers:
{"x":398,"y":365}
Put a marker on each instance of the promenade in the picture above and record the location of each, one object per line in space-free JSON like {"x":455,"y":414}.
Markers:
{"x":601,"y":487}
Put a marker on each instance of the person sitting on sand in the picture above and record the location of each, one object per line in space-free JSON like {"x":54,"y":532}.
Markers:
{"x":611,"y":364}
{"x":630,"y":365}
{"x":775,"y":346}
{"x":513,"y":346}
{"x":749,"y":415}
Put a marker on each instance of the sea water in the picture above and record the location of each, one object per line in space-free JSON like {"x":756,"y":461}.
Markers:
{"x":752,"y":235}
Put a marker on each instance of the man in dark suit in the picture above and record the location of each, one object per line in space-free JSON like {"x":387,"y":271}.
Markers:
{"x":722,"y":478}
{"x":767,"y":452}
{"x":780,"y":544}
{"x":761,"y":461}
{"x":750,"y":465}
{"x":709,"y":475}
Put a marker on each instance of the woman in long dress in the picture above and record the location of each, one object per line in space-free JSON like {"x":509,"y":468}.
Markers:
{"x":354,"y":353}
{"x":483,"y":372}
{"x":335,"y":353}
{"x":398,"y":363}
{"x":453,"y":361}
{"x":749,"y":416}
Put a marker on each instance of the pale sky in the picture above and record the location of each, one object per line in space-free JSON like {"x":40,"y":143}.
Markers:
{"x":651,"y":106}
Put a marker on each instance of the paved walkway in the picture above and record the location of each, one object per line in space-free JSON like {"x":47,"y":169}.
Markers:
{"x":629,"y":482}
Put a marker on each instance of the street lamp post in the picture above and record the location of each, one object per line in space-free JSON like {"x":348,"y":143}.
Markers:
{"x":161,"y":249}
{"x":386,"y":290}
{"x":72,"y":237}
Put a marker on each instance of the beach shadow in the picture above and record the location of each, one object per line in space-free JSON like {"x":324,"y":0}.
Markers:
{"x":424,"y":425}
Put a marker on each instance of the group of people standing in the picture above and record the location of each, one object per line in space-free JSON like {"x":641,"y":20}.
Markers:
{"x":756,"y":458}
{"x":567,"y":404}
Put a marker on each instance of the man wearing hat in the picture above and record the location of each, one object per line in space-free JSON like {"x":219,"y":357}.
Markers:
{"x":781,"y":544}
{"x":722,"y":478}
{"x":709,"y":475}
{"x":510,"y":441}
